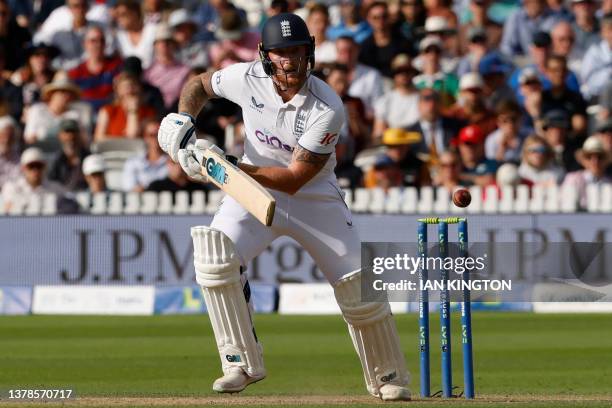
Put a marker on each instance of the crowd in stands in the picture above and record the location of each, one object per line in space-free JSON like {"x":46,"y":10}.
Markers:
{"x":437,"y":92}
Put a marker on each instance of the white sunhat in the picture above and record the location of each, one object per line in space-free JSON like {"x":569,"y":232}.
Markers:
{"x":32,"y":155}
{"x":94,"y":163}
{"x":471,"y":80}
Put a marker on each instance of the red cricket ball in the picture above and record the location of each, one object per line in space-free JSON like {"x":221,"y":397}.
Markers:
{"x":462,"y":198}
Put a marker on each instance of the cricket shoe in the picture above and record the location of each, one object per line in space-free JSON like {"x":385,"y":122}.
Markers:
{"x":234,"y":381}
{"x":391,"y":392}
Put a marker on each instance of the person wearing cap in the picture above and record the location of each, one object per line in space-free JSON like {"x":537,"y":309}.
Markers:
{"x":36,"y":73}
{"x":166,"y":73}
{"x":385,"y":174}
{"x":65,"y":167}
{"x":398,"y":107}
{"x":477,"y":169}
{"x":538,"y":166}
{"x":94,"y":170}
{"x":523,"y":23}
{"x":32,"y":180}
{"x":191,"y":50}
{"x":60,"y":100}
{"x":446,"y":30}
{"x":401,"y":145}
{"x":494,"y":68}
{"x":94,"y":76}
{"x":560,"y":97}
{"x":366,"y":83}
{"x":479,"y":21}
{"x":596,"y":68}
{"x":141,"y":170}
{"x":595,"y":159}
{"x":470,"y":107}
{"x":476,"y":49}
{"x":318,"y":24}
{"x":585,"y":25}
{"x":530,"y":92}
{"x":13,"y":38}
{"x":134,"y":37}
{"x":432,"y":75}
{"x":556,"y":129}
{"x":443,"y":10}
{"x":379,"y":49}
{"x":123,"y":117}
{"x":9,"y":159}
{"x":351,"y":23}
{"x":505,"y":143}
{"x":235,"y":42}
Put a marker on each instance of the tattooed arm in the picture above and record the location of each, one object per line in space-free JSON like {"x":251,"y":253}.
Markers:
{"x":303,"y":167}
{"x":196,"y":92}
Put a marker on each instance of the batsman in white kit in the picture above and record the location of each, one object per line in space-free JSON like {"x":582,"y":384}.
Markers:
{"x":291,"y":122}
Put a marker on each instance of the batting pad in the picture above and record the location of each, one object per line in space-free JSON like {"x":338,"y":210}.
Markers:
{"x":374,"y":335}
{"x":227,"y":293}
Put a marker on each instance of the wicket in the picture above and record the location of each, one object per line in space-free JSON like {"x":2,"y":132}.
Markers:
{"x":445,"y":314}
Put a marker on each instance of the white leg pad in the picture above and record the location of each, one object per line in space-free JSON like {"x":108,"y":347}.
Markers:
{"x":217,"y":268}
{"x":374,"y":335}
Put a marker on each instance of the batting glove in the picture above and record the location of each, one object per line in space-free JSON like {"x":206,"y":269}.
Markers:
{"x":176,"y":132}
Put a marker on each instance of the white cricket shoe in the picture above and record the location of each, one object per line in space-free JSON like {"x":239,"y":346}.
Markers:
{"x":235,"y":381}
{"x":391,"y":392}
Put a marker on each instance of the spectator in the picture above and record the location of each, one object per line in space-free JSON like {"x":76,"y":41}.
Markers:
{"x":597,"y":63}
{"x":208,"y":15}
{"x":562,"y":43}
{"x":318,"y":23}
{"x":412,"y":19}
{"x":493,"y":69}
{"x":604,"y":132}
{"x":480,"y":22}
{"x":432,"y":75}
{"x":349,"y":175}
{"x":385,"y":174}
{"x":277,"y":7}
{"x":522,"y":24}
{"x":398,"y":107}
{"x":93,"y":171}
{"x":11,"y":97}
{"x":400,"y":147}
{"x":351,"y":24}
{"x":477,"y":169}
{"x":379,"y":49}
{"x":556,"y":128}
{"x":175,"y":181}
{"x":356,"y":128}
{"x":366,"y":82}
{"x":36,"y":73}
{"x":508,"y":175}
{"x":9,"y":159}
{"x":166,"y":73}
{"x":13,"y":38}
{"x":155,"y":11}
{"x":18,"y":192}
{"x":505,"y":143}
{"x":558,"y":8}
{"x":559,"y":97}
{"x":65,"y":167}
{"x":123,"y":118}
{"x":235,"y":43}
{"x":530,"y":93}
{"x":151,"y":96}
{"x":440,"y":28}
{"x":471,"y":106}
{"x":60,"y":101}
{"x":449,"y":172}
{"x":134,"y":37}
{"x":140,"y":171}
{"x":538,"y":164}
{"x":95,"y":75}
{"x":191,"y":50}
{"x":585,"y":25}
{"x":436,"y":130}
{"x":441,"y":8}
{"x":594,"y":158}
{"x":476,"y":50}
{"x":539,"y":52}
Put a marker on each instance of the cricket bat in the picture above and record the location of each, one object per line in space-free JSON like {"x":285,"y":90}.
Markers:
{"x":237,"y":184}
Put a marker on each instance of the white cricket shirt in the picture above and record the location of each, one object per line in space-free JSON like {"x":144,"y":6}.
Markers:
{"x":312,"y":118}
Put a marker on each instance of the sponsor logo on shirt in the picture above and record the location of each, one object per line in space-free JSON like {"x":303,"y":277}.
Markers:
{"x":272,"y":141}
{"x":329,"y":138}
{"x":257,"y":106}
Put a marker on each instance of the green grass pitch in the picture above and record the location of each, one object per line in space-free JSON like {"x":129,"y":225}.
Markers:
{"x":521,"y":360}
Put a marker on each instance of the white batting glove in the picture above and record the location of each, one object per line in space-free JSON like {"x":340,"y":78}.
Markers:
{"x":191,"y":159}
{"x":176,"y":132}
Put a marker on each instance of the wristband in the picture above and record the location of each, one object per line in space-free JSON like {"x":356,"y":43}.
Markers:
{"x":188,"y":115}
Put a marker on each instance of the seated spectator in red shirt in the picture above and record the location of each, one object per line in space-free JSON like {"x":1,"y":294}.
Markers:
{"x":9,"y":159}
{"x":94,"y":76}
{"x":166,"y":73}
{"x":235,"y":43}
{"x":124,"y":117}
{"x":471,"y":106}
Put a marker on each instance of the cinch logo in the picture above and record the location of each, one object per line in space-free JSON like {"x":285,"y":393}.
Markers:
{"x":272,"y":141}
{"x":216,"y":171}
{"x":233,"y":358}
{"x":285,"y":28}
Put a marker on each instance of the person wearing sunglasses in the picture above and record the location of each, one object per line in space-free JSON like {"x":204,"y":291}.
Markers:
{"x":537,"y":163}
